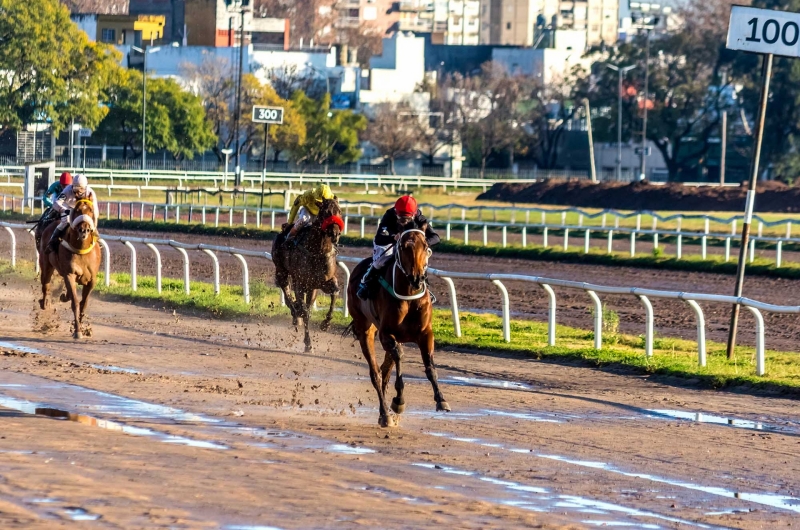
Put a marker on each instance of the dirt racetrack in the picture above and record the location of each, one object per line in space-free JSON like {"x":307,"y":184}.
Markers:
{"x":182,"y":421}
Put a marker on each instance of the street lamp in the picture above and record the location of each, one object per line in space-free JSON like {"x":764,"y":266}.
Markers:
{"x":621,"y":70}
{"x":144,"y":99}
{"x":646,"y":16}
{"x":242,"y":5}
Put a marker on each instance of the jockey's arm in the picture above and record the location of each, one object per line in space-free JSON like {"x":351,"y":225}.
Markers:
{"x":385,"y":236}
{"x":293,"y":211}
{"x":92,"y":196}
{"x":430,"y":236}
{"x":53,"y":191}
{"x":61,"y":202}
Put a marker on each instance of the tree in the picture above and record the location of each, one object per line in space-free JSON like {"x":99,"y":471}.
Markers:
{"x":686,"y":94}
{"x":288,"y":78}
{"x":489,"y":114}
{"x":213,"y":80}
{"x":51,"y":71}
{"x":289,"y":135}
{"x":331,"y":136}
{"x":393,"y":131}
{"x":176,"y":120}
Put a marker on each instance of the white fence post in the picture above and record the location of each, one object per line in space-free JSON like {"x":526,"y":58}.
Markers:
{"x":679,"y":247}
{"x":566,"y":239}
{"x":648,"y":332}
{"x":609,"y":247}
{"x":551,"y":315}
{"x":35,"y":253}
{"x":158,"y":265}
{"x":506,"y":310}
{"x":485,"y":235}
{"x":186,"y":281}
{"x":701,"y":332}
{"x":346,"y":270}
{"x":752,"y":250}
{"x":13,"y":247}
{"x":245,"y":278}
{"x":524,"y":237}
{"x":544,"y":237}
{"x":453,"y":305}
{"x":133,"y":264}
{"x":598,"y":320}
{"x":633,"y":243}
{"x":760,"y":359}
{"x":586,"y":242}
{"x":727,"y":249}
{"x":215,"y":261}
{"x":505,"y":236}
{"x":106,"y":263}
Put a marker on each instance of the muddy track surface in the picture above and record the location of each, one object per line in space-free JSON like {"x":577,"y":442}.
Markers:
{"x":181,"y":421}
{"x":672,"y":318}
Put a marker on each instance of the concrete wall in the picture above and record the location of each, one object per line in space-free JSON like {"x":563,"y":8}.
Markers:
{"x":87,"y":24}
{"x":545,"y":64}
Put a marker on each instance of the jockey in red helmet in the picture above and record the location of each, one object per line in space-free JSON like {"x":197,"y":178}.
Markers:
{"x":403,"y":216}
{"x":56,"y":188}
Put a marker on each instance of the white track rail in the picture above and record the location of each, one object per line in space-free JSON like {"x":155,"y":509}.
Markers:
{"x":592,"y":290}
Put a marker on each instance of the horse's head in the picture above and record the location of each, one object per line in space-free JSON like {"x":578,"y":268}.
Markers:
{"x":412,"y":255}
{"x":81,"y":219}
{"x":330,"y":219}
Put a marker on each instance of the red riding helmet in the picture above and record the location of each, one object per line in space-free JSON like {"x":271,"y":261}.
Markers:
{"x":66,"y":179}
{"x":406,"y":206}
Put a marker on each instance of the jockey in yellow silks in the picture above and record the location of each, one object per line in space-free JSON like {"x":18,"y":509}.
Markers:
{"x":306,"y":208}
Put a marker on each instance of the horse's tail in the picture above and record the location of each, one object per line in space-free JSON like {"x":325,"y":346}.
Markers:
{"x":350,"y":329}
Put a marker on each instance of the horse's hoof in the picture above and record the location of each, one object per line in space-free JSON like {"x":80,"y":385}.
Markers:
{"x":77,"y":335}
{"x":325,"y":325}
{"x":398,"y":407}
{"x":64,"y":297}
{"x":309,"y":348}
{"x":42,"y":304}
{"x":442,"y":406}
{"x":387,"y":421}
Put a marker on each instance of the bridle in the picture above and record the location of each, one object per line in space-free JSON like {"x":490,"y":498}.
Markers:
{"x":398,"y":264}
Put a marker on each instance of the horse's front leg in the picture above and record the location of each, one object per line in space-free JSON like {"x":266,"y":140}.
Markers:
{"x":72,"y":291}
{"x":367,"y":341}
{"x":282,"y":281}
{"x":331,"y":288}
{"x":87,"y":290}
{"x":306,"y":303}
{"x":426,"y":349}
{"x":395,"y":349}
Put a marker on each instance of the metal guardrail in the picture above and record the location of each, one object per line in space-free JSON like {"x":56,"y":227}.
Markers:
{"x":592,"y":290}
{"x":161,"y":211}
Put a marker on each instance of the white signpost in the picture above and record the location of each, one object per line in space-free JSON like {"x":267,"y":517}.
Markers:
{"x":768,"y":33}
{"x":267,"y":116}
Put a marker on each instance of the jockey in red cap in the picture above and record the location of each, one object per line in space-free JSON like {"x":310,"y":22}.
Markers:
{"x":403,"y":216}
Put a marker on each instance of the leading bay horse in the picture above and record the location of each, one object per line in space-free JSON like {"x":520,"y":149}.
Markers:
{"x":310,"y":265}
{"x":77,"y":260}
{"x":399,"y":312}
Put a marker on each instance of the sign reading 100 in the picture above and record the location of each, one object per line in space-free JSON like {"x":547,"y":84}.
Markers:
{"x":268,"y":115}
{"x":764,"y":31}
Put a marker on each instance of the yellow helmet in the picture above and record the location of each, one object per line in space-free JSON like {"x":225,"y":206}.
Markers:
{"x":321,"y":192}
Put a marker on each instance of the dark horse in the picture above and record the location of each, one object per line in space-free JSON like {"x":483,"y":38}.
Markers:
{"x":77,"y":260}
{"x":400,"y":312}
{"x":310,"y":265}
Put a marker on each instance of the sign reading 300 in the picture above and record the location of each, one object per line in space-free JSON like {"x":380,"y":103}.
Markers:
{"x":268,"y":115}
{"x":764,"y":31}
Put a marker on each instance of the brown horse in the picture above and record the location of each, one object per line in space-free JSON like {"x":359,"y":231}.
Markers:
{"x":77,"y":260}
{"x":310,"y":265}
{"x":400,"y":312}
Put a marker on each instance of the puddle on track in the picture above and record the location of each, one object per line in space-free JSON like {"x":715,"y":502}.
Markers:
{"x":773,"y":500}
{"x":17,"y":347}
{"x":588,"y":511}
{"x":79,"y":514}
{"x":112,"y":368}
{"x":703,"y":417}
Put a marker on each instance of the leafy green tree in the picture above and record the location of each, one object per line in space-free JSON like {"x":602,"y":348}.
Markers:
{"x":53,"y":72}
{"x":331,"y":135}
{"x":176,"y":119}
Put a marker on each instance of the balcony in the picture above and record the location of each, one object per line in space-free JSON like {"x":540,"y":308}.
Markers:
{"x":418,"y":25}
{"x":414,"y":6}
{"x":347,"y":22}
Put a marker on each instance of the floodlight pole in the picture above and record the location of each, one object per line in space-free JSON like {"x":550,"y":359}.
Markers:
{"x":766,"y":73}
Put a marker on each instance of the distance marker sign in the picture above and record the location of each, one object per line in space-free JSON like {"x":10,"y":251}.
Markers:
{"x":273,"y":115}
{"x":764,"y":31}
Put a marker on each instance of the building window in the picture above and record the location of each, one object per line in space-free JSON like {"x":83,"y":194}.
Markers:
{"x":109,"y":35}
{"x":508,"y":25}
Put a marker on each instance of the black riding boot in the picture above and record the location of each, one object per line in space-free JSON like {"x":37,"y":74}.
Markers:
{"x":365,"y":286}
{"x":55,"y":238}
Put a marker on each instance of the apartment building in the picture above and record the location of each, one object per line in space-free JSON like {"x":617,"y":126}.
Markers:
{"x":530,"y":22}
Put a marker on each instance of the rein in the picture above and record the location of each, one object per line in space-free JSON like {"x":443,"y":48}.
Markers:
{"x":83,"y":218}
{"x":399,"y":265}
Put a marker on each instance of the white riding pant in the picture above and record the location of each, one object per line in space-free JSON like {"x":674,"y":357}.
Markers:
{"x":381,"y":255}
{"x":304,"y":218}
